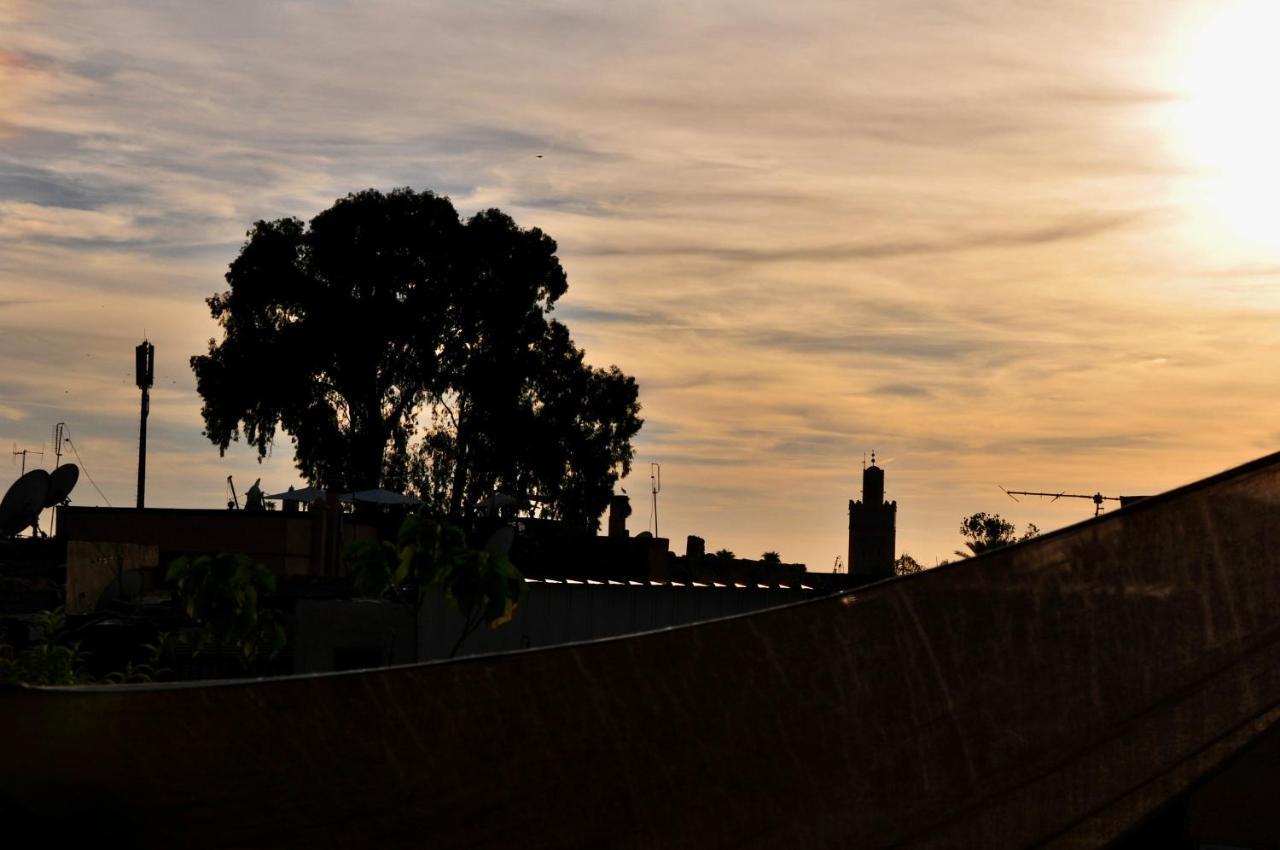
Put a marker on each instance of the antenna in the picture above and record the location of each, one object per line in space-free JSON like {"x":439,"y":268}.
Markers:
{"x":24,"y":453}
{"x":59,"y":434}
{"x":1096,"y":498}
{"x":144,"y":369}
{"x":655,"y":486}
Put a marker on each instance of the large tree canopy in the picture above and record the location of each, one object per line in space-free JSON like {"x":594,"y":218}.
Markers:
{"x":400,"y":346}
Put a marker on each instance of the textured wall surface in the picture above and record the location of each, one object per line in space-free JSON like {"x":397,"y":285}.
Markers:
{"x":1054,"y":692}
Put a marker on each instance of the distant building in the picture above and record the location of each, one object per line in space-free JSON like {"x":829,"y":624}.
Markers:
{"x":581,"y":586}
{"x":872,"y":529}
{"x":102,"y":544}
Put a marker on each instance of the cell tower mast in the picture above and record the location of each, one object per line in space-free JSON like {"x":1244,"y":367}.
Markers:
{"x":144,"y":367}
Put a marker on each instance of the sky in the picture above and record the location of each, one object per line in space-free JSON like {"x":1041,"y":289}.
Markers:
{"x":1021,"y":243}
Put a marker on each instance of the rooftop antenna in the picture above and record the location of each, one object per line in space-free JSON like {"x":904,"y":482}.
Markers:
{"x":144,"y":368}
{"x":655,"y":486}
{"x":24,"y":453}
{"x":1096,"y":498}
{"x":59,"y":434}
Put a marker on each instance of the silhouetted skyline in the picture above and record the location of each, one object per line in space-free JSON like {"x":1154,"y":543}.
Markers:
{"x":1000,"y":244}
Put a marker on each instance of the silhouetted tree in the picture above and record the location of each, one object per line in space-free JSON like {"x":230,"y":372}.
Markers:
{"x":724,"y":555}
{"x":771,"y":558}
{"x":906,"y":565}
{"x":551,"y":429}
{"x":398,"y":344}
{"x":990,"y":531}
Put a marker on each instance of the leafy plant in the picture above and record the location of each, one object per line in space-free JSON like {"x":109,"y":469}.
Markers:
{"x":222,"y":595}
{"x":150,"y":670}
{"x":430,"y":556}
{"x":49,"y":660}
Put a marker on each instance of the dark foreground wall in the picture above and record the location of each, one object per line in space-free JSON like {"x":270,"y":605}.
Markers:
{"x":1053,"y":693}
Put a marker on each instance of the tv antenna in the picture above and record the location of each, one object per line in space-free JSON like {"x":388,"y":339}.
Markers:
{"x":655,"y":487}
{"x":59,"y":434}
{"x":1096,"y":498}
{"x":24,"y":452}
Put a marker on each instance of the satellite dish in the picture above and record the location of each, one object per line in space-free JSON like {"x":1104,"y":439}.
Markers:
{"x":61,"y":482}
{"x":20,"y":508}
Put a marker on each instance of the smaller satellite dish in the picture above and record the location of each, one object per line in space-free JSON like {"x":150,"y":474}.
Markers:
{"x":20,"y":508}
{"x":61,"y":482}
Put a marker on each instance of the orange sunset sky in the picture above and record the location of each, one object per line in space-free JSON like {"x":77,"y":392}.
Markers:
{"x":1030,"y":243}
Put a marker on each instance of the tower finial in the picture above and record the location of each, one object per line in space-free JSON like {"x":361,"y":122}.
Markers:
{"x":873,"y":457}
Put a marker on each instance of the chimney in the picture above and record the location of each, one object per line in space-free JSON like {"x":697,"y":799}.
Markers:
{"x":619,"y":510}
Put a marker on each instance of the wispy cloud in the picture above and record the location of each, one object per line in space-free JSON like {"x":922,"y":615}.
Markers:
{"x":951,"y":230}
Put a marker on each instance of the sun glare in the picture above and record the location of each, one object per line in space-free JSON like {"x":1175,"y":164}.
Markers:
{"x":1228,"y":120}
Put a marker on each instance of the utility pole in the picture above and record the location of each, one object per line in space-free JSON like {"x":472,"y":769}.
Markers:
{"x":144,"y":362}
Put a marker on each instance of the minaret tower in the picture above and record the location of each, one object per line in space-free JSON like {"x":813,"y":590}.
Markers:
{"x":872,"y":528}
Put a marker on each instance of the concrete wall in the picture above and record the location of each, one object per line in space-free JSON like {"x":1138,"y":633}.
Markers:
{"x":554,"y":612}
{"x":331,"y":631}
{"x":307,"y":543}
{"x":92,"y":566}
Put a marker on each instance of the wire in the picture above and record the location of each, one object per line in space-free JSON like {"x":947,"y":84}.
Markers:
{"x":76,"y":451}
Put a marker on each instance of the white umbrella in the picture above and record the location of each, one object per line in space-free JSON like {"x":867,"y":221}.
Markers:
{"x":502,"y":500}
{"x":306,"y":494}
